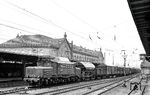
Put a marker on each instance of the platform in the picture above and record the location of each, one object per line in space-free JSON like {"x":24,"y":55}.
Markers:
{"x":9,"y":79}
{"x":147,"y":87}
{"x":11,"y":82}
{"x":127,"y":89}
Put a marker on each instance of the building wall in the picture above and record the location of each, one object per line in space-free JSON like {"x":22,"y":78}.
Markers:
{"x":86,"y":58}
{"x":65,"y":49}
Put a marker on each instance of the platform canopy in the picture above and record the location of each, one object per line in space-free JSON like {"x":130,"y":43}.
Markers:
{"x":88,"y":65}
{"x":140,"y":10}
{"x":6,"y":56}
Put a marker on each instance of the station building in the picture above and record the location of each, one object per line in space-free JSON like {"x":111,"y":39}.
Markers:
{"x":24,"y":50}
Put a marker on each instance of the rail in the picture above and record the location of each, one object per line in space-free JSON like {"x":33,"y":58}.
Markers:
{"x":108,"y":87}
{"x":143,"y":91}
{"x":25,"y":89}
{"x":68,"y":89}
{"x":73,"y":88}
{"x":62,"y":90}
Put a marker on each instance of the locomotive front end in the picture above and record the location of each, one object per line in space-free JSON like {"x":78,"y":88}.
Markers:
{"x":36,"y":75}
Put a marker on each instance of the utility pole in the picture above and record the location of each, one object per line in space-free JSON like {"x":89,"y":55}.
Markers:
{"x":124,"y":57}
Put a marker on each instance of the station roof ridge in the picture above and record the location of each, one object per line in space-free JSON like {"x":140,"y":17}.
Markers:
{"x":32,"y":40}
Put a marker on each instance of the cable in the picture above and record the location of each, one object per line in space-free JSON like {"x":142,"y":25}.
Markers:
{"x":15,"y":28}
{"x":19,"y":28}
{"x":48,"y":21}
{"x":45,"y":20}
{"x":77,"y":17}
{"x":23,"y":9}
{"x":25,"y":26}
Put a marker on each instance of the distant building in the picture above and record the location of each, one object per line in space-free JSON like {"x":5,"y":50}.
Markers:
{"x":83,"y":54}
{"x":40,"y":45}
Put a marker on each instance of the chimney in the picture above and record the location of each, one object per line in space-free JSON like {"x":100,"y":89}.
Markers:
{"x":100,"y":50}
{"x":17,"y":35}
{"x":65,"y":35}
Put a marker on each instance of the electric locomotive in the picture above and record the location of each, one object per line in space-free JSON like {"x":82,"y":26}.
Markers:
{"x":52,"y":71}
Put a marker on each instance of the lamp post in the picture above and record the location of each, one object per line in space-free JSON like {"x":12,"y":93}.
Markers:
{"x":124,"y":57}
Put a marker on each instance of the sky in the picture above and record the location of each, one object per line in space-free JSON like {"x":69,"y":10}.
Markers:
{"x":92,"y":24}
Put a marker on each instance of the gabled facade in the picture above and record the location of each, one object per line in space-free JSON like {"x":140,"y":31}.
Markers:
{"x":39,"y":45}
{"x":65,"y":49}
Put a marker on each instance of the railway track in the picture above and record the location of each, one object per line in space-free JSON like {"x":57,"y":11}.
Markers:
{"x":143,"y":91}
{"x":27,"y":88}
{"x":62,"y":90}
{"x":14,"y":90}
{"x":144,"y":88}
{"x":74,"y":88}
{"x":67,"y":89}
{"x":106,"y":88}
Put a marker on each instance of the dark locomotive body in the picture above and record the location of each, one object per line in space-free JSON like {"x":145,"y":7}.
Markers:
{"x":61,"y":70}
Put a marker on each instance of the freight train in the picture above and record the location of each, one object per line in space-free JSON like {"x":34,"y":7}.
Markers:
{"x":61,"y":70}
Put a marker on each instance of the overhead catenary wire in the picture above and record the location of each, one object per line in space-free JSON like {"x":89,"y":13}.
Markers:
{"x":25,"y":26}
{"x":43,"y":19}
{"x":15,"y":28}
{"x":77,"y":17}
{"x":49,"y":21}
{"x":85,"y":22}
{"x":9,"y":26}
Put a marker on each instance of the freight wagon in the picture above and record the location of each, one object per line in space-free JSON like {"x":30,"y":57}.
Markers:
{"x":61,"y":70}
{"x":87,"y":70}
